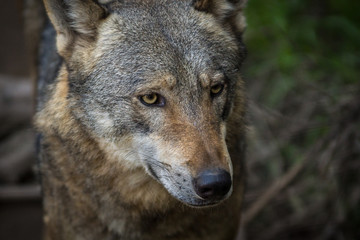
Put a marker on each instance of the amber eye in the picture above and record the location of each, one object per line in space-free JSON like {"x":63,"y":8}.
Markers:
{"x":152,"y":99}
{"x":216,"y":89}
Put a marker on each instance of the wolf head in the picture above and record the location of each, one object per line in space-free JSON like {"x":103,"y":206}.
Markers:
{"x":154,"y":82}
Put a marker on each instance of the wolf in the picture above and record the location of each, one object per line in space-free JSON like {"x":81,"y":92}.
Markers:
{"x":141,"y":119}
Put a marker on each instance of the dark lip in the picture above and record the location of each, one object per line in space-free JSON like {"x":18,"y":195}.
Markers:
{"x":203,"y":204}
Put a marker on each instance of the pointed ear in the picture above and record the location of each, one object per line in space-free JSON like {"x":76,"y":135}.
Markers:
{"x":73,"y":19}
{"x":227,"y":11}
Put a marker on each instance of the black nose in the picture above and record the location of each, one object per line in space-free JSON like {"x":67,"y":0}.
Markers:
{"x":212,"y":183}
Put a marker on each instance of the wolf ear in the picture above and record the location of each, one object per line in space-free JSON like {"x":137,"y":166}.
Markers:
{"x":227,"y":11}
{"x":75,"y":18}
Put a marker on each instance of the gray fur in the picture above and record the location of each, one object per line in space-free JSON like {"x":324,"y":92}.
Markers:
{"x":115,"y":168}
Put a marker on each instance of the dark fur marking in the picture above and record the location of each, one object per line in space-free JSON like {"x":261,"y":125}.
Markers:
{"x":141,"y":126}
{"x":153,"y":173}
{"x":229,"y":98}
{"x":49,"y":63}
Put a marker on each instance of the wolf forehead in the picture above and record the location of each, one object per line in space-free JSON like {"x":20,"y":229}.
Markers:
{"x":141,"y":41}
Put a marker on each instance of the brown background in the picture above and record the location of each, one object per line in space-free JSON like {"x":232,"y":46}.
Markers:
{"x":20,"y":203}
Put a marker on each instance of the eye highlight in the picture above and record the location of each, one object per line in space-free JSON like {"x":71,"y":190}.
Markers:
{"x":152,"y":99}
{"x":216,"y":89}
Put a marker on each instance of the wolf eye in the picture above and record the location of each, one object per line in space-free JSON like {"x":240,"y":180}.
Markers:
{"x":152,"y":99}
{"x":216,"y":90}
{"x":149,"y":98}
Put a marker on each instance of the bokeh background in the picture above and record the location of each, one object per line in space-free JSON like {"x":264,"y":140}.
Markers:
{"x":302,"y":75}
{"x":303,"y":161}
{"x":20,"y":202}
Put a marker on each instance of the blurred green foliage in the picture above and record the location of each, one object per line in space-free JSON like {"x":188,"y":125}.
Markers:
{"x":302,"y":42}
{"x":302,"y":72}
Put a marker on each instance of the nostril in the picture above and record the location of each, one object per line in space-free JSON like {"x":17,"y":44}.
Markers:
{"x":205,"y":191}
{"x":212,"y":183}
